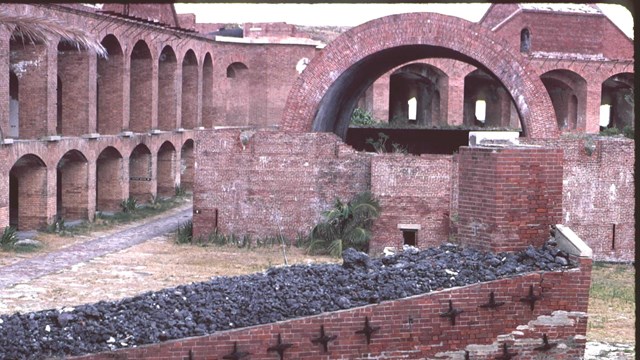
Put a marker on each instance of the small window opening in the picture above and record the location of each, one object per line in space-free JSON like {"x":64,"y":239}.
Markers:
{"x":613,"y":237}
{"x":409,"y":237}
{"x":605,"y":115}
{"x":525,"y":41}
{"x":413,"y":108}
{"x":481,"y":110}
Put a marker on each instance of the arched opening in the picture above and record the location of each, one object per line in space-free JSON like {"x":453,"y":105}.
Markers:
{"x":28,"y":193}
{"x":14,"y":106}
{"x":110,"y":101}
{"x":326,"y":93}
{"x":237,"y":108}
{"x":525,"y":40}
{"x":187,"y":166}
{"x":420,"y":85}
{"x":618,"y":99}
{"x":73,"y":90}
{"x":189,"y":90}
{"x":141,"y":184}
{"x":166,"y":170}
{"x":207,"y":93}
{"x":486,"y":96}
{"x":72,"y":187}
{"x":110,"y":184}
{"x":568,"y":92}
{"x":167,"y":94}
{"x":140,"y":88}
{"x":236,"y":69}
{"x":30,"y":121}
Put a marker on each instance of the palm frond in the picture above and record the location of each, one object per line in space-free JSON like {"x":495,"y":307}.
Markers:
{"x":38,"y":29}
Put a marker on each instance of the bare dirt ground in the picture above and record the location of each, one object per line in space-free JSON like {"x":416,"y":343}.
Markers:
{"x":152,"y":265}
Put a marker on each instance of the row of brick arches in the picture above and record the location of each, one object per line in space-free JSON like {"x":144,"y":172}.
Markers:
{"x":120,"y":97}
{"x":435,"y":85}
{"x":82,"y":186}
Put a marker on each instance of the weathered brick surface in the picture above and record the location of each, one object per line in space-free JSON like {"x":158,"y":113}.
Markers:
{"x":410,"y":328}
{"x":508,"y":198}
{"x":279,"y":182}
{"x":411,"y":190}
{"x":598,"y":194}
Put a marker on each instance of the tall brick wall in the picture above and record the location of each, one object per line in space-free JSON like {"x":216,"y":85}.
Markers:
{"x":410,"y":328}
{"x":413,"y":191}
{"x":599,"y":194}
{"x":278,"y":182}
{"x":508,"y":197}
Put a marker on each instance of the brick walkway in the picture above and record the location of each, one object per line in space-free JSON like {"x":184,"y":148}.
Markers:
{"x":26,"y":270}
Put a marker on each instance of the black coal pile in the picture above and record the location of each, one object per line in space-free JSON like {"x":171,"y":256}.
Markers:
{"x":277,"y":294}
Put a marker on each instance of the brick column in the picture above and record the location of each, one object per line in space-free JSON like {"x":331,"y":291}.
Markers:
{"x":508,"y":197}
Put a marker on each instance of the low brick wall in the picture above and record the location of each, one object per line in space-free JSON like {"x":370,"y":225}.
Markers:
{"x":411,"y":328}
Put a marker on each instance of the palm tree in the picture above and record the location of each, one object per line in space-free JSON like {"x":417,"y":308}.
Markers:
{"x":36,"y":29}
{"x":345,"y":226}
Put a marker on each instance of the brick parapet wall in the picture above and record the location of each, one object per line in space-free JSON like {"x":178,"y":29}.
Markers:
{"x":412,"y":190}
{"x":409,"y":328}
{"x":508,"y":197}
{"x":279,"y":182}
{"x":599,"y":192}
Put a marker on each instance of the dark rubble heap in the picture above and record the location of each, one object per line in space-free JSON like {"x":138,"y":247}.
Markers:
{"x":279,"y":293}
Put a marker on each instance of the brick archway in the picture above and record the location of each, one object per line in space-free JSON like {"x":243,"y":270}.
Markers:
{"x":326,"y":93}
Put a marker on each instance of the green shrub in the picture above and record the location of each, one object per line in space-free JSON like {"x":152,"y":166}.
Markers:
{"x":180,"y":191}
{"x":130,"y":205}
{"x":184,"y":235}
{"x":360,"y":117}
{"x":9,"y":237}
{"x":345,"y":226}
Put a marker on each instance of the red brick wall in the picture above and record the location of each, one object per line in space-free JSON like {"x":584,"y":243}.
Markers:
{"x":278,"y":182}
{"x":189,"y":91}
{"x":508,"y":197}
{"x":411,"y":190}
{"x":166,"y":170}
{"x":599,"y":193}
{"x":409,"y":328}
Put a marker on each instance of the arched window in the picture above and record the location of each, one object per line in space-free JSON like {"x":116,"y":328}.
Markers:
{"x":525,"y":40}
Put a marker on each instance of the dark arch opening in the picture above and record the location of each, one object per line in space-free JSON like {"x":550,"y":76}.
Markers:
{"x":568,"y":93}
{"x":166,"y":170}
{"x":167,"y":94}
{"x":334,"y":110}
{"x":140,"y":88}
{"x":110,"y":189}
{"x":207,"y":93}
{"x":187,"y":166}
{"x":236,"y":69}
{"x":110,"y":95}
{"x":618,"y":95}
{"x":27,"y":191}
{"x":140,"y":174}
{"x":72,"y":187}
{"x":189,"y":90}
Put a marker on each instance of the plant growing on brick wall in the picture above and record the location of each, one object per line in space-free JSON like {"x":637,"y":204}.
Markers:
{"x":130,"y":205}
{"x":380,"y":145}
{"x":346,"y":225}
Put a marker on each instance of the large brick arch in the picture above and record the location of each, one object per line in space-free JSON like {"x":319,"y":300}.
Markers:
{"x":326,"y":93}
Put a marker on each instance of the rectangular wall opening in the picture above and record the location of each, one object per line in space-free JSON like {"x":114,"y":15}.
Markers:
{"x":613,"y":237}
{"x":410,"y":237}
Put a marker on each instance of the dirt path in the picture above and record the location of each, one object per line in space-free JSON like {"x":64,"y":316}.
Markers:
{"x":35,"y":267}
